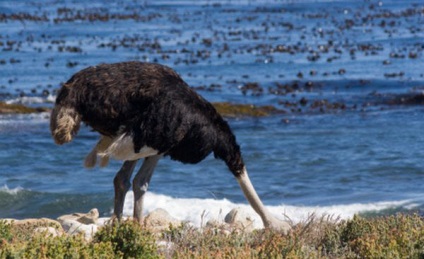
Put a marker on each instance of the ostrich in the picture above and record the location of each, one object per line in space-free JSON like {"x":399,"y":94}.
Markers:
{"x":145,"y":110}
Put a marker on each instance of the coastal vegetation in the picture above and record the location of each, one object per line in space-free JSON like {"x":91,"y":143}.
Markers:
{"x":395,"y":236}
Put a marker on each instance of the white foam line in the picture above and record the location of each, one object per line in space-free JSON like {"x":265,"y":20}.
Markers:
{"x":199,"y":211}
{"x":10,"y":191}
{"x":32,"y":100}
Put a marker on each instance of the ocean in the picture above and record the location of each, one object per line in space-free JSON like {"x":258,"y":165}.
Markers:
{"x":346,"y":77}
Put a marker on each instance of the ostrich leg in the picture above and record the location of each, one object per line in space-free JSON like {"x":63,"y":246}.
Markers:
{"x":141,"y":183}
{"x":268,"y":220}
{"x":122,"y":185}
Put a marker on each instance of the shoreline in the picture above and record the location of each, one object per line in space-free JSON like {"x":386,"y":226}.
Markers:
{"x":400,"y":236}
{"x":157,"y":221}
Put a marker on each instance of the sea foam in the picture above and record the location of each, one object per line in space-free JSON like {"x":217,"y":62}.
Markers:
{"x":12,"y":191}
{"x":199,"y":211}
{"x":32,"y":99}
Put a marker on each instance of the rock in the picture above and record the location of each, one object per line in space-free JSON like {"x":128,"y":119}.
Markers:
{"x":159,"y":220}
{"x":49,"y":231}
{"x":213,"y":223}
{"x":68,"y":224}
{"x":6,"y":108}
{"x":85,"y":218}
{"x":244,"y":110}
{"x":35,"y":223}
{"x":49,"y":226}
{"x":240,"y":219}
{"x":90,"y":218}
{"x":103,"y":221}
{"x":73,"y":227}
{"x":80,"y":223}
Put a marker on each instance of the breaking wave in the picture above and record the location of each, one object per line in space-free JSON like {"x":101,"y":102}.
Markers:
{"x":199,"y":211}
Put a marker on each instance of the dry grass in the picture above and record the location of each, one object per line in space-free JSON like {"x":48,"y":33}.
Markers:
{"x":397,"y":236}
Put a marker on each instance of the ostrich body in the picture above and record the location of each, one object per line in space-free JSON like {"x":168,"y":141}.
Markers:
{"x":144,"y":110}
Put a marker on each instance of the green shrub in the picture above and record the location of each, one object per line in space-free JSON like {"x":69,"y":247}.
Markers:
{"x":43,"y":246}
{"x":128,"y":240}
{"x":399,"y":236}
{"x":6,"y":234}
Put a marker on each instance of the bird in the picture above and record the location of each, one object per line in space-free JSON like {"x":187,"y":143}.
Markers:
{"x":147,"y":111}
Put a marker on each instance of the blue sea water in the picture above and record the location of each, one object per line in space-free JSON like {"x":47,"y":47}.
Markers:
{"x":312,"y":157}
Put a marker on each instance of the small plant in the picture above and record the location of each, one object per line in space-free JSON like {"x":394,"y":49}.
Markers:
{"x":128,"y":240}
{"x":42,"y":246}
{"x":6,"y":234}
{"x":189,"y":242}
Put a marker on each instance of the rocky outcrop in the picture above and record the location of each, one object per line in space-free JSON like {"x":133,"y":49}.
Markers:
{"x":244,"y":110}
{"x":85,"y":218}
{"x":80,"y":223}
{"x":6,"y":108}
{"x":157,"y":221}
{"x":224,"y":108}
{"x":43,"y":225}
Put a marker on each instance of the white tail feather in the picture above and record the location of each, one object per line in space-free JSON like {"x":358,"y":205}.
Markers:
{"x":98,"y":150}
{"x":122,"y":148}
